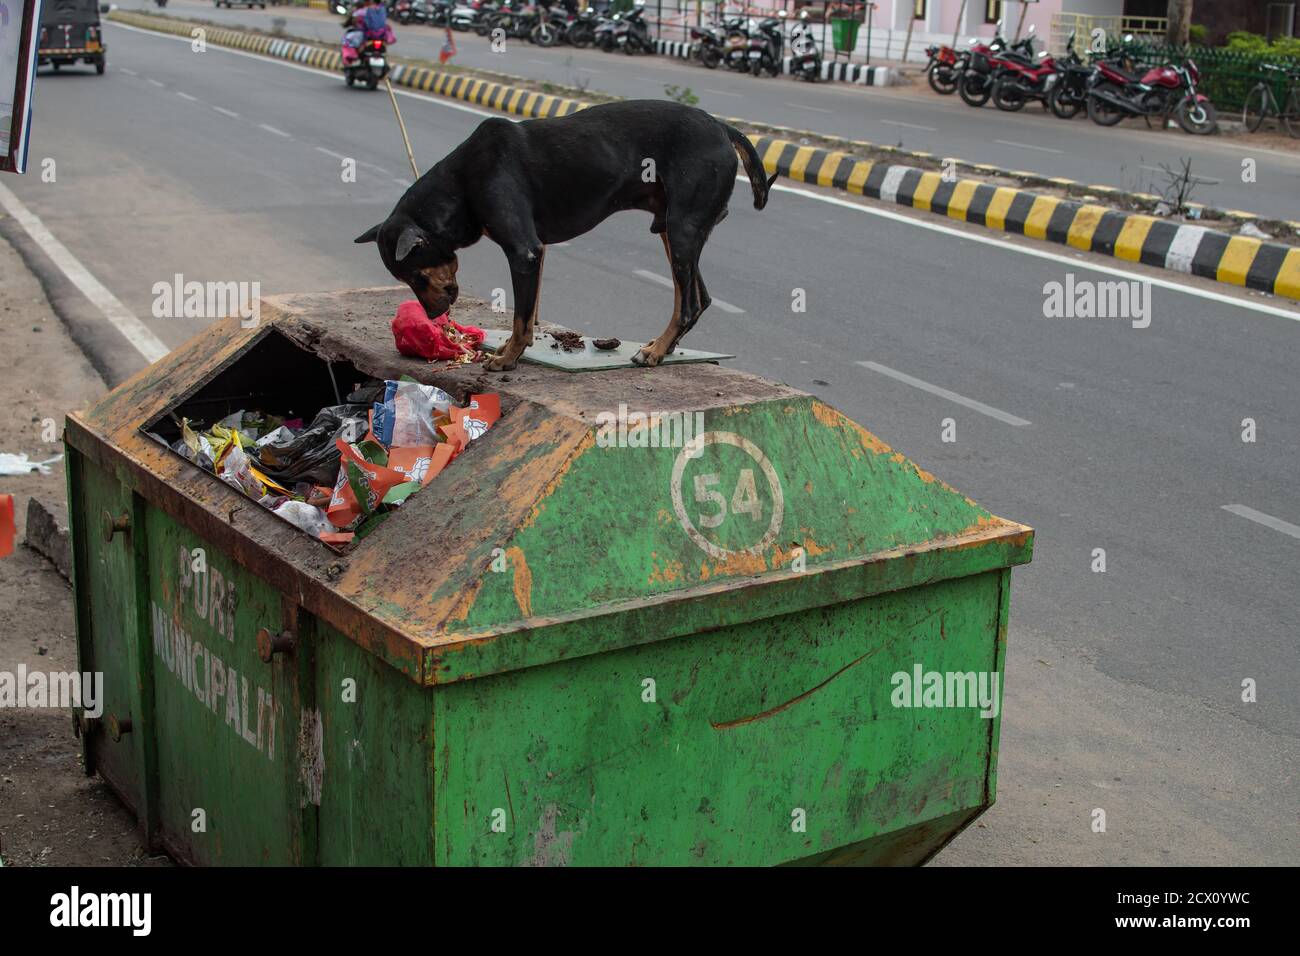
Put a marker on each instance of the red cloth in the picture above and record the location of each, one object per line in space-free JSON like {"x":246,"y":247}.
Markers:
{"x":419,"y":336}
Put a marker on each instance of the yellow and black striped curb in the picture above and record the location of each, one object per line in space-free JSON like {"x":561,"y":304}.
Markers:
{"x":1135,"y":237}
{"x":500,"y":96}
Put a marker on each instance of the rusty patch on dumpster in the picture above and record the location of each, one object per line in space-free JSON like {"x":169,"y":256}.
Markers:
{"x":523,"y":584}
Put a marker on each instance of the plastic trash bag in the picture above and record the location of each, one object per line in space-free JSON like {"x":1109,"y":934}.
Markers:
{"x":312,"y":455}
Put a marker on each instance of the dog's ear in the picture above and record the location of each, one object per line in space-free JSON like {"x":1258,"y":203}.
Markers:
{"x":370,"y":235}
{"x":410,"y":237}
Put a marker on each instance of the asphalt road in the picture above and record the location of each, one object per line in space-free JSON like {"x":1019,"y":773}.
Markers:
{"x":1123,"y":688}
{"x":1130,"y":157}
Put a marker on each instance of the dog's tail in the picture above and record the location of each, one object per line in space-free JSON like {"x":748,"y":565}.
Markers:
{"x":753,"y":165}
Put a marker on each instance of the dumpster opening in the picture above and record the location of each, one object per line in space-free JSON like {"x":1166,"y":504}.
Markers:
{"x":329,"y":449}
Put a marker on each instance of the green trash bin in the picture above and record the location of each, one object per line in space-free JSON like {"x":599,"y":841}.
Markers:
{"x":651,"y":617}
{"x":844,"y":34}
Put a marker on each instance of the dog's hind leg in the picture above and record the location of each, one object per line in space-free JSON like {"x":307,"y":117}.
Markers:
{"x":526,"y":277}
{"x":653,"y":352}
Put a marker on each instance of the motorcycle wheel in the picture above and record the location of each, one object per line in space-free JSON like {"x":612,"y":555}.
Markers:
{"x":483,"y":28}
{"x":372,"y":82}
{"x":1065,"y":107}
{"x":1101,"y":113}
{"x":460,"y":26}
{"x":581,"y":39}
{"x":349,"y":79}
{"x":975,"y":89}
{"x":709,"y":57}
{"x":1199,"y":119}
{"x":1008,"y":97}
{"x":773,"y":69}
{"x":943,"y":80}
{"x":404,"y":18}
{"x":543,"y":35}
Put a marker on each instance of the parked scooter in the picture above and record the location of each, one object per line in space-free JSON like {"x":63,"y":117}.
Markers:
{"x":1161,"y":91}
{"x":633,"y":35}
{"x":742,"y":38}
{"x":766,"y":55}
{"x":605,"y":34}
{"x":805,"y":51}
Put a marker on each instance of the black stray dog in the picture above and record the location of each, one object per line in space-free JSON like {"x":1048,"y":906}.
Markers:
{"x":528,"y":184}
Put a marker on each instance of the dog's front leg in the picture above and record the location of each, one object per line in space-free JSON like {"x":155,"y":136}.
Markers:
{"x":526,"y":276}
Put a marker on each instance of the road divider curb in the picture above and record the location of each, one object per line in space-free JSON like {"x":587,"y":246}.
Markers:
{"x":1237,"y":260}
{"x":1135,"y":237}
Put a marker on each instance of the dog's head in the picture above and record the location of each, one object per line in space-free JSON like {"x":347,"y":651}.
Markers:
{"x":419,"y":258}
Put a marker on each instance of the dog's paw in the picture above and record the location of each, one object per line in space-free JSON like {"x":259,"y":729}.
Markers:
{"x":646,"y":358}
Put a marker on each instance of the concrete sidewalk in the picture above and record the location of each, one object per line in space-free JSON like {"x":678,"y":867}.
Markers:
{"x":51,"y":814}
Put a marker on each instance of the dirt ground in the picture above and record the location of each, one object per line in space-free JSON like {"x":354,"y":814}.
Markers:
{"x":51,"y":814}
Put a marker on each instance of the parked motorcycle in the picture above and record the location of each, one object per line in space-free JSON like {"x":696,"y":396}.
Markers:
{"x":805,"y":51}
{"x":1161,"y":91}
{"x":986,"y":63}
{"x":580,"y":31}
{"x":548,"y":29}
{"x":1018,"y":83}
{"x":708,"y":45}
{"x":412,"y":11}
{"x":945,"y":67}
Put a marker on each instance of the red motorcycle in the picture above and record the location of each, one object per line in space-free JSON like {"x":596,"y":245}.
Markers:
{"x":1161,"y":91}
{"x":986,"y":63}
{"x":1018,"y":83}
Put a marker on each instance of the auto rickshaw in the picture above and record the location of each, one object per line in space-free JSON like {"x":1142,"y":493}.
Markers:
{"x":71,"y":33}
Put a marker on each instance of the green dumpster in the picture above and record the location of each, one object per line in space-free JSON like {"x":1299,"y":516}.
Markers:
{"x":844,"y":34}
{"x":652,"y":617}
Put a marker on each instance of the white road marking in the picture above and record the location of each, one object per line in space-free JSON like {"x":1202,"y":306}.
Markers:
{"x":1041,"y":149}
{"x":186,"y":96}
{"x":815,"y":109}
{"x":664,"y":280}
{"x":122,"y":318}
{"x":970,"y":403}
{"x":587,"y":69}
{"x":1071,"y":261}
{"x":1268,"y":521}
{"x":330,"y":152}
{"x":155,"y":82}
{"x":225,"y":112}
{"x":908,"y":125}
{"x":272,"y":129}
{"x":720,"y":92}
{"x":122,"y":69}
